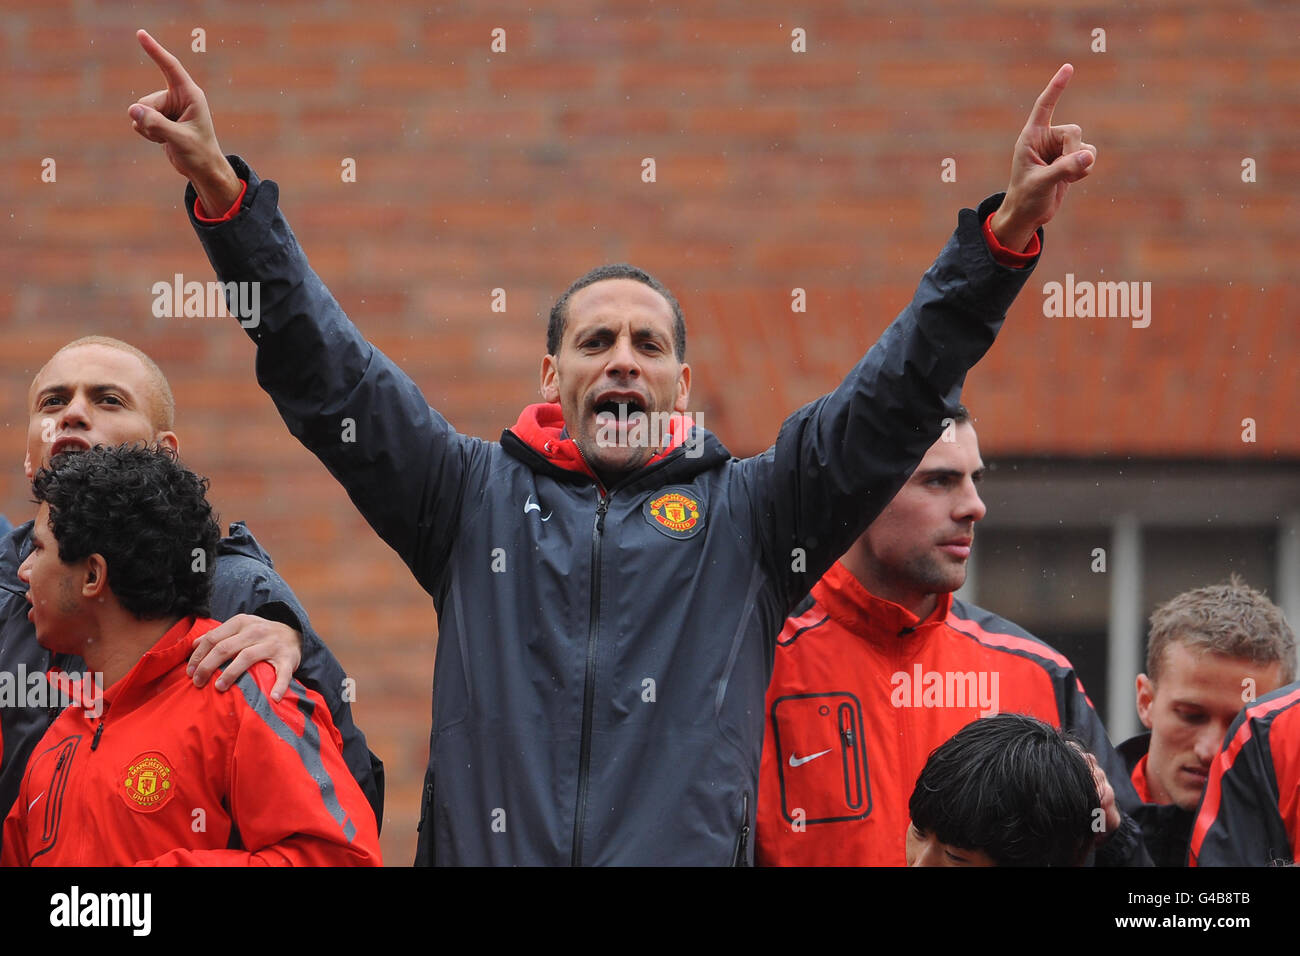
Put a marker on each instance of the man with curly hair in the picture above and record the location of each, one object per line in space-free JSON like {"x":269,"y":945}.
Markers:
{"x":158,"y":770}
{"x":98,"y":390}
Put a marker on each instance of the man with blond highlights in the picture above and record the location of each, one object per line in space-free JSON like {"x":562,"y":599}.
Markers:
{"x":1211,"y":651}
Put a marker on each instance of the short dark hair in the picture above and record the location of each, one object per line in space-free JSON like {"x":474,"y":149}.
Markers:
{"x":145,"y":514}
{"x":618,"y":270}
{"x":1012,"y":787}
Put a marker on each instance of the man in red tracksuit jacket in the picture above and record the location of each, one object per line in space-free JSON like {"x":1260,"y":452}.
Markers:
{"x":880,"y":665}
{"x":148,"y":768}
{"x":1250,"y":814}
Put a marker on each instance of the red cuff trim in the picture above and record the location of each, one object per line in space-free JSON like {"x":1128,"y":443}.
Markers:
{"x":1009,"y":257}
{"x":230,"y":213}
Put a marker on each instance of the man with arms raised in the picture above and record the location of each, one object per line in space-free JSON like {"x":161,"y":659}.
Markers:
{"x":606,"y":607}
{"x":881,"y":664}
{"x":101,"y":391}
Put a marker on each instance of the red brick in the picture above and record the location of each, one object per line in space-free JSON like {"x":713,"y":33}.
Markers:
{"x":611,"y":121}
{"x":413,"y":77}
{"x":470,"y":36}
{"x":538,"y":77}
{"x":799,"y":76}
{"x":645,"y":77}
{"x":345,"y":35}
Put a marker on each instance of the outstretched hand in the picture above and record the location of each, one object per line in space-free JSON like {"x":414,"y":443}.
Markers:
{"x":179,"y":119}
{"x":1045,"y":161}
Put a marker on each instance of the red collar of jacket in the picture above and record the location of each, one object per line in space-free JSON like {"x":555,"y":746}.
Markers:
{"x":1139,"y":777}
{"x":847,"y":601}
{"x":541,"y":428}
{"x":171,"y":650}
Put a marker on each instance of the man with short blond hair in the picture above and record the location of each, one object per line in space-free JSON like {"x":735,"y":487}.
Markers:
{"x":1211,"y":651}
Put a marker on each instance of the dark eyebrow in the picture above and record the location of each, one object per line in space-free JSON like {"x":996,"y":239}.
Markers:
{"x":585,"y":332}
{"x":95,"y":390}
{"x":924,"y":473}
{"x":938,"y":473}
{"x":643,"y":334}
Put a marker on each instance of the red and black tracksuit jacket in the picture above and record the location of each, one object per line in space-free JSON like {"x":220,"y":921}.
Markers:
{"x":1250,"y":814}
{"x":854,"y":709}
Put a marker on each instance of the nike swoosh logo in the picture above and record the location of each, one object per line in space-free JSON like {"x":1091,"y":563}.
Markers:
{"x":531,"y":505}
{"x":800,"y":761}
{"x":33,"y":803}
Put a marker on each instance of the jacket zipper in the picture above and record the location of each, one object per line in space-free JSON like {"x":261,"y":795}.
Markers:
{"x":739,"y":856}
{"x":589,"y":687}
{"x":99,"y":729}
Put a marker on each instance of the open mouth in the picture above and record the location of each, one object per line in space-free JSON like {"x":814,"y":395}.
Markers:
{"x":620,"y":409}
{"x":68,"y":443}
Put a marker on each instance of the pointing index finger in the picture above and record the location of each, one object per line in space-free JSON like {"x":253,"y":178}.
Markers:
{"x":170,"y":66}
{"x":1047,"y":100}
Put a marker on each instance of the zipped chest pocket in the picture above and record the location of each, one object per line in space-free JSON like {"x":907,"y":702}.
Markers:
{"x":821,"y":758}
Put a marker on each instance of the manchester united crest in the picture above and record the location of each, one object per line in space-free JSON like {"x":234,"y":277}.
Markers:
{"x":147,"y":783}
{"x":676,"y":512}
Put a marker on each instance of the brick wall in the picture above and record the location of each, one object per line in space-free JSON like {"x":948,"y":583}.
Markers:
{"x":775,"y":170}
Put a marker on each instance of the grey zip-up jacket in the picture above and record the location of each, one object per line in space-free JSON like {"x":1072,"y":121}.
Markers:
{"x":602,"y":657}
{"x":244,"y":581}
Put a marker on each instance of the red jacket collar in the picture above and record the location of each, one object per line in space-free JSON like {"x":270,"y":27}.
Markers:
{"x":846,"y":600}
{"x":1139,"y":778}
{"x":541,"y":428}
{"x":172,"y":649}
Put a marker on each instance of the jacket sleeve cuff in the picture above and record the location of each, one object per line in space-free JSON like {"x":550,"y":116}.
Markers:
{"x":280,"y":612}
{"x":1124,"y":847}
{"x":1009,"y":257}
{"x":230,"y":213}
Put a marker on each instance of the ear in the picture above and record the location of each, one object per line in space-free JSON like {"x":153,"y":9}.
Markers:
{"x":1146,"y":695}
{"x":94,"y":583}
{"x":27,"y":466}
{"x":550,"y":378}
{"x":169,"y":440}
{"x":683,"y":390}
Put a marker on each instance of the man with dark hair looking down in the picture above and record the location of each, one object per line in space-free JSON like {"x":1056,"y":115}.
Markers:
{"x":1007,"y":790}
{"x":606,"y":607}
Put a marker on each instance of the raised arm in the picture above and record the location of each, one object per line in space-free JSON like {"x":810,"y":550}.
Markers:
{"x":838,"y":461}
{"x":178,"y":117}
{"x":403,"y":465}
